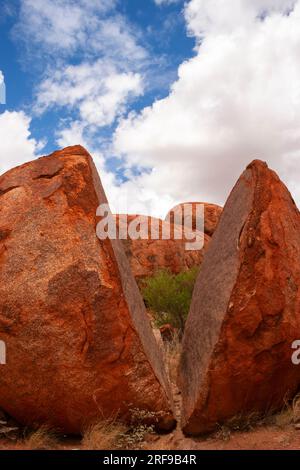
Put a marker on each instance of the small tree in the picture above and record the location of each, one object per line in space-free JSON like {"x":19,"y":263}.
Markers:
{"x":169,"y":296}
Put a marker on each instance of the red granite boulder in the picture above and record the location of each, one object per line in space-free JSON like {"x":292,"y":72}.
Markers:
{"x":212,"y":214}
{"x":79,"y":343}
{"x":245,"y":312}
{"x":151,"y":252}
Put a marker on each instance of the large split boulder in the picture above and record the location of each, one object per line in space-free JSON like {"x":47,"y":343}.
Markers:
{"x":79,"y":344}
{"x":245,"y":311}
{"x":182,"y":250}
{"x":187,"y":213}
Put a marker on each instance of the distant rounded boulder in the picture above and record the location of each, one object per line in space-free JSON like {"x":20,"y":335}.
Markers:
{"x":245,"y":311}
{"x":151,"y":252}
{"x":187,"y":212}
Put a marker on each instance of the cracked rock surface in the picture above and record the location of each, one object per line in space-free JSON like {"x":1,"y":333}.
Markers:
{"x":79,"y":343}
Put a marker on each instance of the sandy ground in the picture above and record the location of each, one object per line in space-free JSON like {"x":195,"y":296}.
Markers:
{"x":261,"y":437}
{"x":265,"y":438}
{"x":280,"y":436}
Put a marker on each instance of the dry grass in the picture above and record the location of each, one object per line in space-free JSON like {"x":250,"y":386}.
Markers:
{"x":42,"y":438}
{"x":112,"y":435}
{"x":238,"y":423}
{"x":105,"y":435}
{"x":290,"y":414}
{"x":296,"y":409}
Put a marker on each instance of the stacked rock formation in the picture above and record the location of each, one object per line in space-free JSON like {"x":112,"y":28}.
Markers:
{"x":151,"y":252}
{"x":79,"y":344}
{"x":245,"y":312}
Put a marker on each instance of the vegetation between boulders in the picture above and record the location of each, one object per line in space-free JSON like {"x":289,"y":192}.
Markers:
{"x":169,"y":296}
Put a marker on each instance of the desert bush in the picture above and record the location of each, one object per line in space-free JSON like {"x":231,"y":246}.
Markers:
{"x":169,"y":296}
{"x":139,"y":428}
{"x":110,"y":434}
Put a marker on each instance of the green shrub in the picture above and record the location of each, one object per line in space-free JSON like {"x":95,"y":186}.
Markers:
{"x":169,"y":296}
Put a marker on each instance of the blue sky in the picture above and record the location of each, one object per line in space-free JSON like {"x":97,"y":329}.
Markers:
{"x":172,"y":98}
{"x":161,"y":31}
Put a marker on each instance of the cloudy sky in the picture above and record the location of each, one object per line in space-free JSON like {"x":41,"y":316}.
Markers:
{"x":173,"y":99}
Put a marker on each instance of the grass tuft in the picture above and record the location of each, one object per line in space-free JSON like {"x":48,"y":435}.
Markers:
{"x":42,"y":438}
{"x":104,"y":435}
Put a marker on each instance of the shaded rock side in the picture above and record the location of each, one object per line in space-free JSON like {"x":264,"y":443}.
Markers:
{"x":245,"y":311}
{"x":79,"y":344}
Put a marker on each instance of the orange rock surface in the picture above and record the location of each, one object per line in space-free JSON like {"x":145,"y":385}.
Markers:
{"x":79,"y":343}
{"x":146,"y":256}
{"x":245,"y":312}
{"x":188,"y":211}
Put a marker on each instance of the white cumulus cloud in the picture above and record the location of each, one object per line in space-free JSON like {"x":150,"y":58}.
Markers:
{"x":64,"y":27}
{"x":97,"y":90}
{"x":16,"y":144}
{"x":105,"y":48}
{"x":217,"y":16}
{"x":237,"y":99}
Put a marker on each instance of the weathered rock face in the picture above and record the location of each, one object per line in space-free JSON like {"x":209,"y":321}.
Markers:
{"x":79,"y":344}
{"x":146,"y":256}
{"x":245,"y":311}
{"x":212,"y":214}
